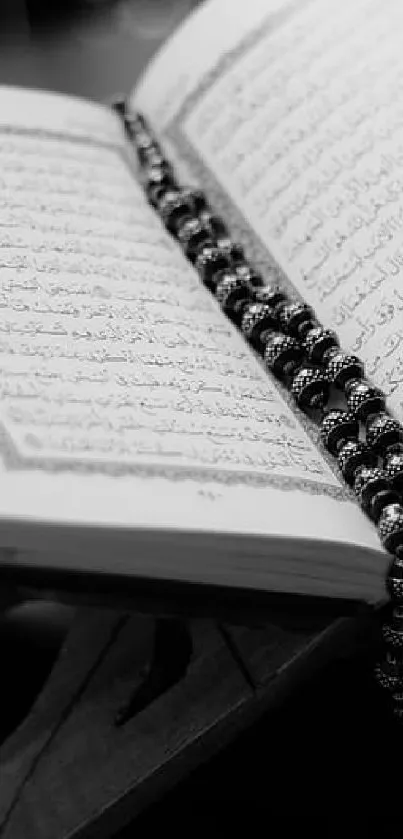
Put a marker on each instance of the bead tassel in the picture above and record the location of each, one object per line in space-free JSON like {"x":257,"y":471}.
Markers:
{"x":307,"y":357}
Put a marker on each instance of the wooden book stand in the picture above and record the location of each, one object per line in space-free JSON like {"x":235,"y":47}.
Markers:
{"x":134,"y":703}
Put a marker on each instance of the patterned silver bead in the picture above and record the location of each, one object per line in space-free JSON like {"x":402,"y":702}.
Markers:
{"x":213,"y":223}
{"x":230,"y":249}
{"x":353,"y":456}
{"x":383,"y":432}
{"x":247,"y":273}
{"x":390,"y":527}
{"x":293,"y":315}
{"x":392,"y":631}
{"x":156,"y":180}
{"x":389,"y":674}
{"x":233,"y":294}
{"x":271,"y":294}
{"x":210,"y":264}
{"x":363,"y":399}
{"x":310,"y":388}
{"x":336,"y":428}
{"x":174,"y":208}
{"x":257,"y":321}
{"x":193,"y":236}
{"x":373,"y":490}
{"x":282,"y":354}
{"x":197,"y":199}
{"x":393,"y":466}
{"x":318,"y":341}
{"x":146,"y":146}
{"x":394,"y":579}
{"x":341,"y":368}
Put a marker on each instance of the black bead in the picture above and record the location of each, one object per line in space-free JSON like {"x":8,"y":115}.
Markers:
{"x":271,"y":294}
{"x":389,"y":674}
{"x":394,"y":579}
{"x":383,"y":432}
{"x":341,"y":368}
{"x":352,"y":456}
{"x":393,"y":466}
{"x":174,"y":208}
{"x":310,"y":388}
{"x":193,"y":236}
{"x":282,"y":354}
{"x":336,"y":428}
{"x":363,"y":399}
{"x":317,"y":341}
{"x":257,"y":320}
{"x":373,"y":490}
{"x":390,"y":527}
{"x":293,"y":315}
{"x":392,"y":631}
{"x":210,"y":264}
{"x":233,"y":294}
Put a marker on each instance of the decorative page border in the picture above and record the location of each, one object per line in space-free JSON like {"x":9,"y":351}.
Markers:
{"x":16,"y":461}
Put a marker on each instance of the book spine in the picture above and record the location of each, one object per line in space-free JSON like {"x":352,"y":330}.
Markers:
{"x":364,"y":438}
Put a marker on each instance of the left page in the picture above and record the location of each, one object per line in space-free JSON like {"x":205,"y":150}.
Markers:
{"x":127,"y":399}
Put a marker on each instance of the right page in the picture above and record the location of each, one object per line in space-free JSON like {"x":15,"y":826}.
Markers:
{"x":291,"y":114}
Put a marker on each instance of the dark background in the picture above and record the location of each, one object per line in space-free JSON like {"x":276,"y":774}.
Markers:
{"x":328,"y":761}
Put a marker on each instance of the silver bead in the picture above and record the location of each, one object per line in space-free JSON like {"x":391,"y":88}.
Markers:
{"x":318,"y":341}
{"x":353,"y":456}
{"x":293,"y":316}
{"x":394,"y":579}
{"x":390,"y":527}
{"x":192,"y":235}
{"x":174,"y":208}
{"x":233,"y":294}
{"x":257,"y":320}
{"x":389,"y":673}
{"x":373,"y":490}
{"x":336,"y":428}
{"x":392,"y":631}
{"x":282,"y":354}
{"x":393,"y":466}
{"x":247,"y":273}
{"x":310,"y":388}
{"x":363,"y":399}
{"x":210,"y":264}
{"x":341,"y":367}
{"x":271,"y":294}
{"x":382,"y":432}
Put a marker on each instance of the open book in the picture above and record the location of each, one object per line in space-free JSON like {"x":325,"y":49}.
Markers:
{"x":141,"y":437}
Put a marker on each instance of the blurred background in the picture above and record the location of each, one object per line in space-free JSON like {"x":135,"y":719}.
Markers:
{"x":92,"y":48}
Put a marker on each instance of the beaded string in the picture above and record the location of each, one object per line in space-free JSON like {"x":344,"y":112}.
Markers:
{"x":306,"y":357}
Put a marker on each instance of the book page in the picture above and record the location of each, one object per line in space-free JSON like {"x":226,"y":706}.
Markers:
{"x":127,"y":399}
{"x":293,"y":118}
